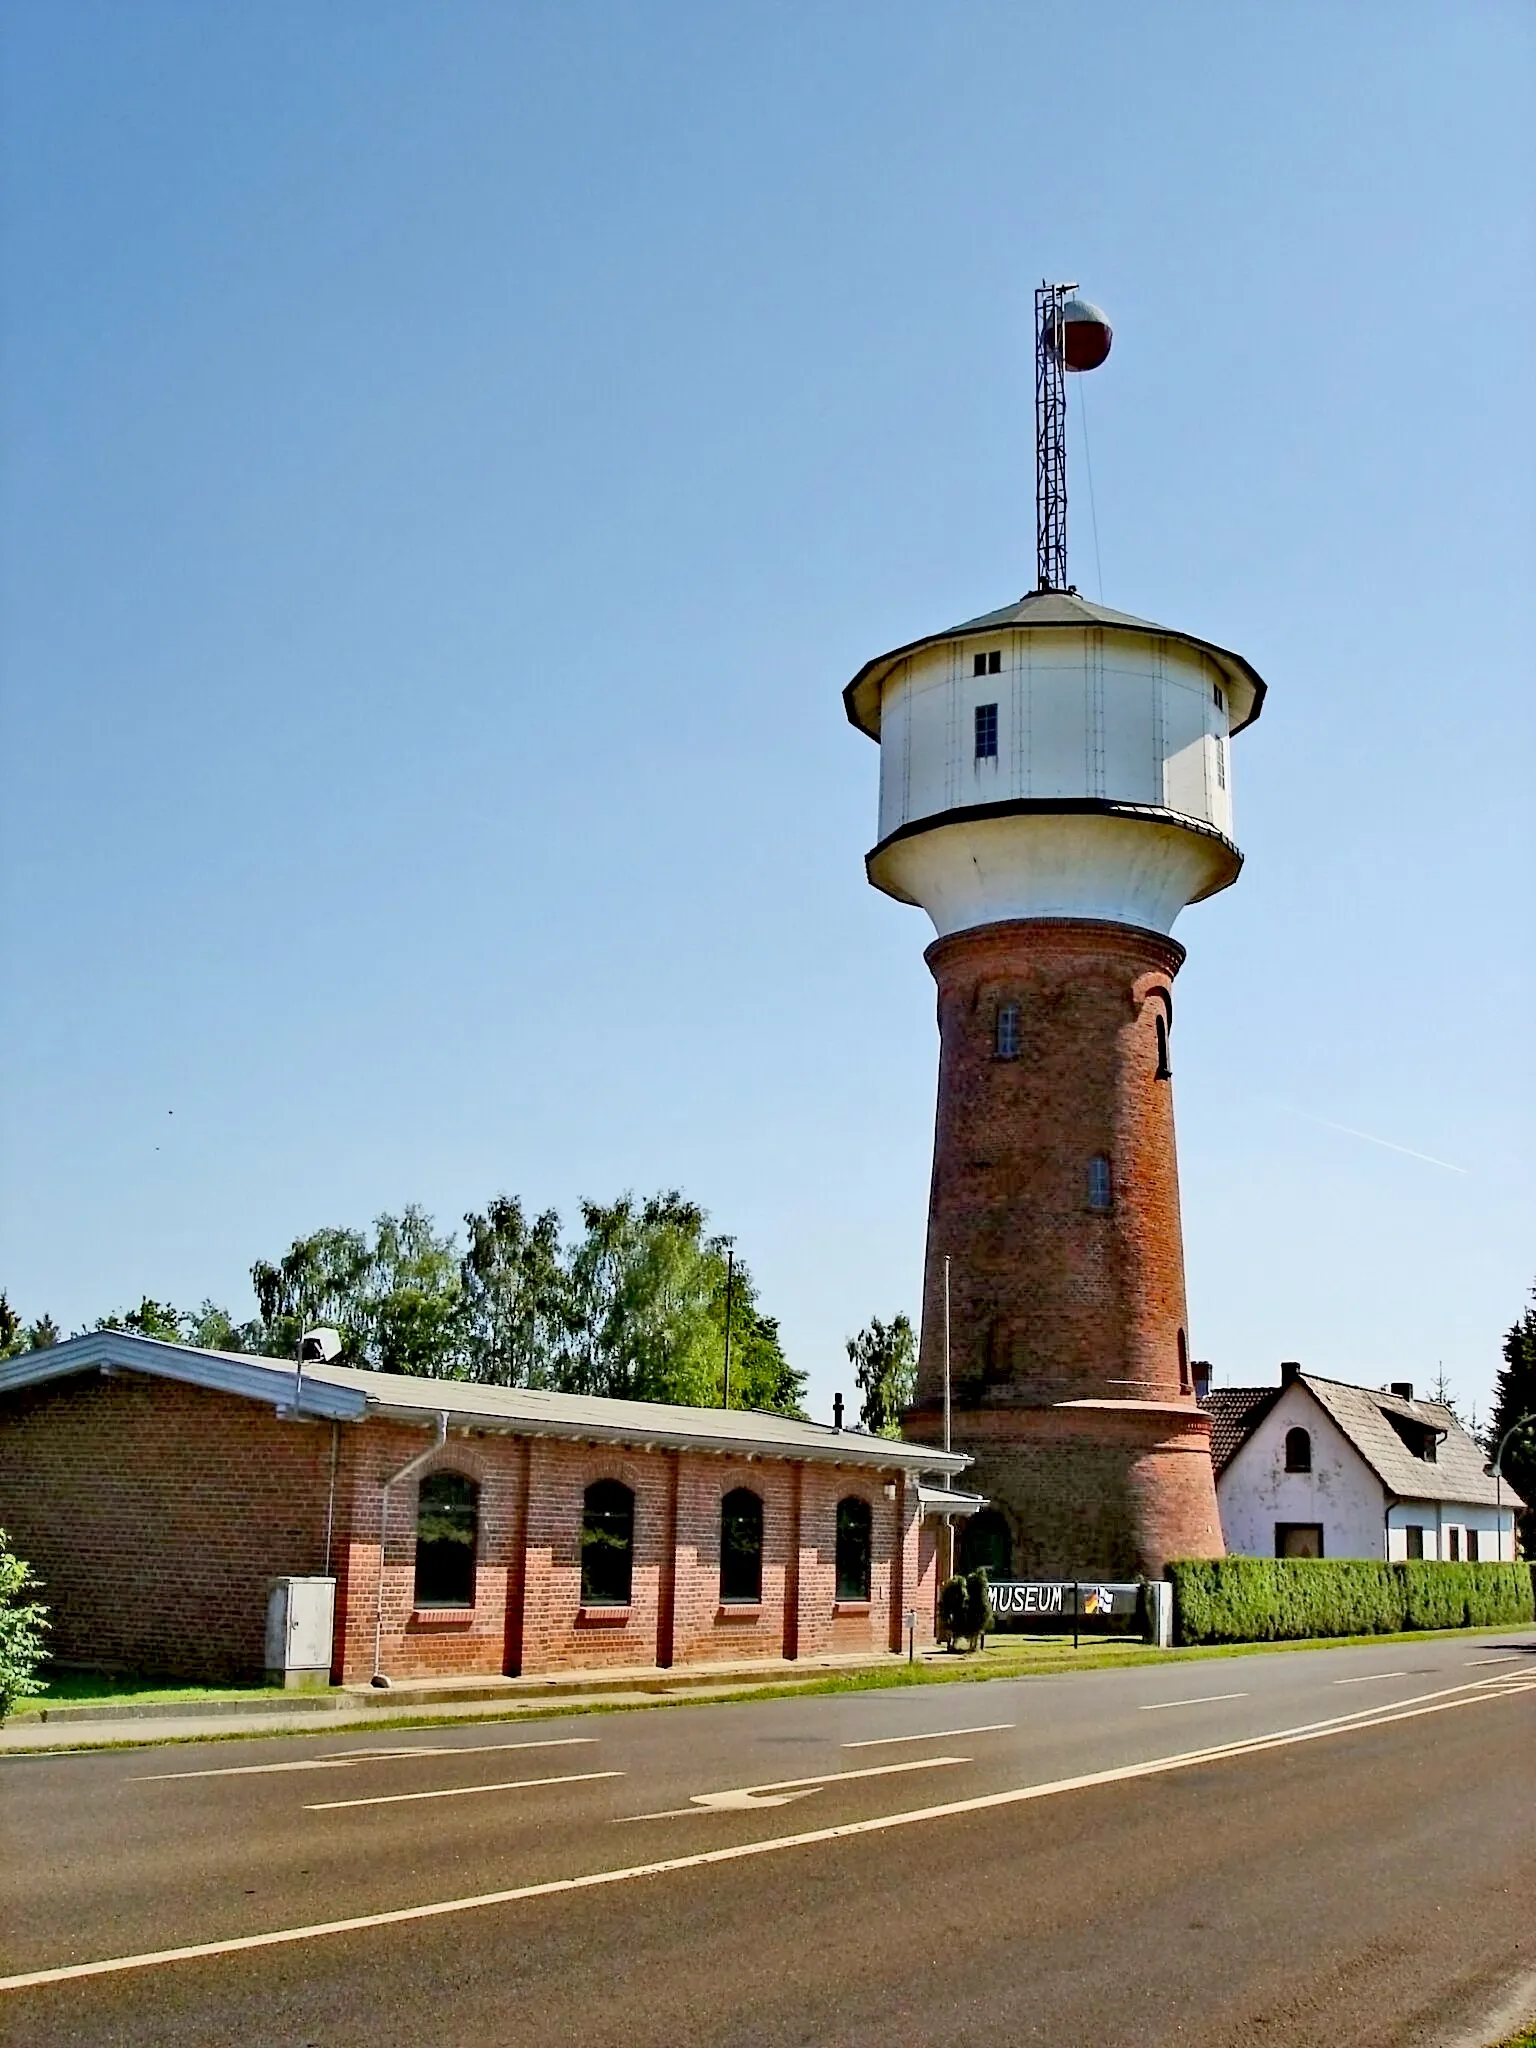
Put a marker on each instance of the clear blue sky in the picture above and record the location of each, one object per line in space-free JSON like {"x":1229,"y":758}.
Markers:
{"x":457,"y":453}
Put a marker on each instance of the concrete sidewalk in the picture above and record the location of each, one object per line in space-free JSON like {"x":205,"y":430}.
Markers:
{"x":107,"y":1723}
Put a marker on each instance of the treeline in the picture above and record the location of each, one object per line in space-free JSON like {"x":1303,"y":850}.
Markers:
{"x":633,"y":1306}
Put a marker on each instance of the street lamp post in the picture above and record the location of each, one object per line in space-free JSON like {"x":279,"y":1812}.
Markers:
{"x":1495,"y":1469}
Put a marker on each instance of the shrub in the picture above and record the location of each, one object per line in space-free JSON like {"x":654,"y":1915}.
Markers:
{"x":965,"y":1608}
{"x":1263,"y":1600}
{"x":22,"y":1623}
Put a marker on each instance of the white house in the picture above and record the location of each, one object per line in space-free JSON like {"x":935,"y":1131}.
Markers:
{"x":1318,"y":1468}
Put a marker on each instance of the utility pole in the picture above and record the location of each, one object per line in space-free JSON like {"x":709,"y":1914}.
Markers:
{"x":730,"y":1288}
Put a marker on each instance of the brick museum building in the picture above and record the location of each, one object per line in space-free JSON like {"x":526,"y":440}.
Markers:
{"x":454,"y":1529}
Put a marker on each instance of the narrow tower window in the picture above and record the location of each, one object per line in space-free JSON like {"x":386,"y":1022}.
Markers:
{"x":1164,"y":1071}
{"x":1221,"y":702}
{"x":1101,"y":1186}
{"x":1183,"y":1363}
{"x":1221,"y":762}
{"x":986,"y":732}
{"x":1008,"y":1032}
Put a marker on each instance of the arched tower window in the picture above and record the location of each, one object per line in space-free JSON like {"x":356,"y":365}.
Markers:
{"x":1101,"y":1184}
{"x":987,"y":1541}
{"x":447,"y":1528}
{"x":1298,"y":1450}
{"x":1183,"y":1363}
{"x":741,"y":1547}
{"x":1007,"y":1036}
{"x":607,"y":1544}
{"x":853,"y":1548}
{"x":1164,"y":1070}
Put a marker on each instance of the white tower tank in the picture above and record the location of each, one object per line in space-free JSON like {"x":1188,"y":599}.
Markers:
{"x":1054,"y":760}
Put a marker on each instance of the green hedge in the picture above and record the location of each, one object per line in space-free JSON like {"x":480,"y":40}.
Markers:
{"x":1265,"y":1600}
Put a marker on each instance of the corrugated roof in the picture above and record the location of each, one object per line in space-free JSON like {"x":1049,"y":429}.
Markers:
{"x":1362,"y":1414}
{"x":343,"y":1393}
{"x":1045,"y":610}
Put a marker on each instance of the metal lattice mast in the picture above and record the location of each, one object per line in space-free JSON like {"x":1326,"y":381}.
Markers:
{"x":1050,"y":437}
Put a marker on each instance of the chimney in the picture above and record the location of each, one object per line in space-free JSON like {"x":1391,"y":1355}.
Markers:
{"x":1290,"y":1371}
{"x":1403,"y":1389}
{"x":837,"y":1411}
{"x":1201,"y":1368}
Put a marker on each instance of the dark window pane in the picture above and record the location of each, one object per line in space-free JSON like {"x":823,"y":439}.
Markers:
{"x":741,"y":1546}
{"x":607,"y":1544}
{"x":447,"y":1525}
{"x":1101,"y":1188}
{"x":853,"y":1548}
{"x":1298,"y":1451}
{"x":1008,"y":1032}
{"x":986,"y":732}
{"x":995,"y":663}
{"x":979,"y":665}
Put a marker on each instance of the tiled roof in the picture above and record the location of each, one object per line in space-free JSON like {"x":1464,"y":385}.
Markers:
{"x":344,"y":1394}
{"x":1362,"y":1413}
{"x":1235,"y":1413}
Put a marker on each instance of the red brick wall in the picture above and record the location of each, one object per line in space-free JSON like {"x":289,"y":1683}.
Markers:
{"x":1049,"y":1300}
{"x":155,"y":1514}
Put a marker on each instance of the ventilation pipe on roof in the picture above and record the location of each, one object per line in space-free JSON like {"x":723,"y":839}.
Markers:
{"x":411,"y":1465}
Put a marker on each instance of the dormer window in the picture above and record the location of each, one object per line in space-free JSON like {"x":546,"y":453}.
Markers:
{"x":986,"y":732}
{"x":988,"y":664}
{"x":1422,"y":1438}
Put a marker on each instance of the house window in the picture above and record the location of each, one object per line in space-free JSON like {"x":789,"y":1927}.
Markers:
{"x":447,"y":1525}
{"x":988,"y":664}
{"x":741,"y":1547}
{"x":1101,"y":1184}
{"x":853,"y":1548}
{"x":1298,"y":1539}
{"x":986,"y":732}
{"x":986,"y":1543}
{"x":1455,"y":1540}
{"x":1414,"y":1545}
{"x":1008,"y":1032}
{"x":1298,"y":1450}
{"x":1472,"y":1557}
{"x":607,"y":1544}
{"x":1164,"y":1071}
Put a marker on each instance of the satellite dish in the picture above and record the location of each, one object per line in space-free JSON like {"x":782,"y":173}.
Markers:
{"x":1085,"y":335}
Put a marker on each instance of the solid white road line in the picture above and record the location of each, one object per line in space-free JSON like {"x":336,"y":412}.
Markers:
{"x":1470,"y":1695}
{"x":746,"y":1797}
{"x":1511,"y":1657}
{"x":350,"y":1757}
{"x":936,"y":1735}
{"x":460,"y":1791}
{"x":1205,"y":1699}
{"x":1373,"y":1678}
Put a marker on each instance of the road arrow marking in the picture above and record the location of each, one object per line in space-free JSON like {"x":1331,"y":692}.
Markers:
{"x":748,"y":1797}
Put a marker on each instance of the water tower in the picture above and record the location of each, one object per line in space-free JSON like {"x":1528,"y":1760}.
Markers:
{"x":1055,"y":787}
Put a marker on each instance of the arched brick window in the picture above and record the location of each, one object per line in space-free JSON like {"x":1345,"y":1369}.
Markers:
{"x":853,"y":1548}
{"x":447,"y":1531}
{"x":1183,"y":1363}
{"x":741,"y":1547}
{"x":1164,"y":1070}
{"x":1298,"y":1450}
{"x":607,"y":1544}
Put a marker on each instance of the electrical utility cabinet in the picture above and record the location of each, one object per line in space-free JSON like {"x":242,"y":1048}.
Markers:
{"x":300,"y":1619}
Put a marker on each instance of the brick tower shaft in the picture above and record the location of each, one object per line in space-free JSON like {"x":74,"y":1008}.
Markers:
{"x":1055,"y":1198}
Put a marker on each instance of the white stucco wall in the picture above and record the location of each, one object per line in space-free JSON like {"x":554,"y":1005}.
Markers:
{"x":1495,"y":1529}
{"x":1079,"y":714}
{"x":1341,"y":1491}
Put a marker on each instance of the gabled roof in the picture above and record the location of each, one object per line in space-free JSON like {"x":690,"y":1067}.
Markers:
{"x":1045,"y":611}
{"x":344,"y":1394}
{"x":1235,"y":1413}
{"x":1363,"y":1416}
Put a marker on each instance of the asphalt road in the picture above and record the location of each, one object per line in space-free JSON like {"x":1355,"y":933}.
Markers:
{"x":1325,"y":1848}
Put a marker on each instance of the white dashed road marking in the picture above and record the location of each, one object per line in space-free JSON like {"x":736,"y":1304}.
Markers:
{"x":1373,"y":1678}
{"x":460,"y":1791}
{"x":937,"y":1735}
{"x":348,"y":1757}
{"x":1205,"y":1699}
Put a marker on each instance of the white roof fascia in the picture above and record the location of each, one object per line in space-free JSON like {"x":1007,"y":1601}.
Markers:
{"x":221,"y":1372}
